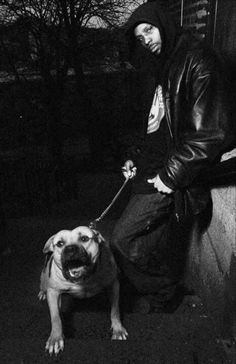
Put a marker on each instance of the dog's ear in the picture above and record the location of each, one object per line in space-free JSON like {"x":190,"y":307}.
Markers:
{"x":48,"y":247}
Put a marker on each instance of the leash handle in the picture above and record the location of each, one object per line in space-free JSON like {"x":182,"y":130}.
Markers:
{"x":92,"y":224}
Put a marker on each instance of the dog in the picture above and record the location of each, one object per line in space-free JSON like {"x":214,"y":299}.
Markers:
{"x":78,"y":262}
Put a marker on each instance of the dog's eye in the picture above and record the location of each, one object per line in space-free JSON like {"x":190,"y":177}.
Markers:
{"x":84,"y":238}
{"x":60,"y":243}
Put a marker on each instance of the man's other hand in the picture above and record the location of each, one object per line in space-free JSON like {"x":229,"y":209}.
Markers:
{"x":159,"y":185}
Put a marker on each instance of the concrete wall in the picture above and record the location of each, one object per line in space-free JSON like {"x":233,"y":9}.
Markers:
{"x":211,"y":269}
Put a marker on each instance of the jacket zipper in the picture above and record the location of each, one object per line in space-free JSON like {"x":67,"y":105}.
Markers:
{"x":167,"y":101}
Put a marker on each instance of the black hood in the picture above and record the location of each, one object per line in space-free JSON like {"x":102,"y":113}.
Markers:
{"x":153,"y":13}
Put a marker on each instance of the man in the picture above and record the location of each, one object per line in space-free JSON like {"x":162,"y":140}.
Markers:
{"x":185,"y":132}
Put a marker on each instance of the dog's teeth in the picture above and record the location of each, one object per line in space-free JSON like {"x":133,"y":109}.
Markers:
{"x":73,"y":273}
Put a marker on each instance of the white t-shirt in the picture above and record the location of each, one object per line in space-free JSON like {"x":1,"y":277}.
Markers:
{"x":157,"y":111}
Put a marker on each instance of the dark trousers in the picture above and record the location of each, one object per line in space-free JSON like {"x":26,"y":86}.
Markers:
{"x":149,"y":245}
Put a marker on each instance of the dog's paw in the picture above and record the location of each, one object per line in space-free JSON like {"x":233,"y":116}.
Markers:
{"x":55,"y":344}
{"x":119,"y":333}
{"x":42,"y":295}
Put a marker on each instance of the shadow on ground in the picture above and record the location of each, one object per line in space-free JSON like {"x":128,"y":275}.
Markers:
{"x":186,"y":336}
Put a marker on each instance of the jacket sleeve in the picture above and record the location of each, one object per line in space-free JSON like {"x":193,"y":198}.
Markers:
{"x":201,"y":124}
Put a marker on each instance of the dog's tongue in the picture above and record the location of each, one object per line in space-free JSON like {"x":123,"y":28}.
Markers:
{"x":75,"y":272}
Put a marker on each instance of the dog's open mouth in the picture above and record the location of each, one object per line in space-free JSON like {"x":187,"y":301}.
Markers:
{"x":76,"y":272}
{"x":76,"y":263}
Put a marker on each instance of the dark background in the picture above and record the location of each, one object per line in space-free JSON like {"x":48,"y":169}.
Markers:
{"x":56,"y":121}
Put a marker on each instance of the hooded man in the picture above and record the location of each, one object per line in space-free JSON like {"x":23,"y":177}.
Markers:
{"x":185,"y":132}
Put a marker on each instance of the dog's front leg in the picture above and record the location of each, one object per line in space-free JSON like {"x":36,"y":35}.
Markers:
{"x":118,"y":331}
{"x":55,"y":342}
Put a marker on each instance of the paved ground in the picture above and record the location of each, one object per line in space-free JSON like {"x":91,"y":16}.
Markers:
{"x":186,"y":336}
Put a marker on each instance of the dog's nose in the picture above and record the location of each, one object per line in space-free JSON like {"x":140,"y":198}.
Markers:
{"x":71,"y":249}
{"x":78,"y":253}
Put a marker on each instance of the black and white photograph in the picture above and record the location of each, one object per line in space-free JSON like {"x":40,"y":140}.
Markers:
{"x":118,"y":181}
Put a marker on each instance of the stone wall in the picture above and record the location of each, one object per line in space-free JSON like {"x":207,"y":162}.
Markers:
{"x":211,"y":269}
{"x":192,"y":14}
{"x":225,"y":30}
{"x":213,"y":20}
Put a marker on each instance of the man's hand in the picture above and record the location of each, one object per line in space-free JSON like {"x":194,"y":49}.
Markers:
{"x":159,"y":185}
{"x":129,"y":170}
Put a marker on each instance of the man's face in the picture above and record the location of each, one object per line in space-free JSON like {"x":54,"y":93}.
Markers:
{"x":149,"y":36}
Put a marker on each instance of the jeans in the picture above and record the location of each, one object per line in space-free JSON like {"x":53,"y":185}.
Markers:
{"x":146,"y":245}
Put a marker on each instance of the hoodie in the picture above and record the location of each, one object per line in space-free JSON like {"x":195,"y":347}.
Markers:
{"x":152,"y":13}
{"x":153,"y":151}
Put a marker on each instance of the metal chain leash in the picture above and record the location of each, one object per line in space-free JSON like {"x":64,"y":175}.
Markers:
{"x":130,"y":173}
{"x":93,"y":223}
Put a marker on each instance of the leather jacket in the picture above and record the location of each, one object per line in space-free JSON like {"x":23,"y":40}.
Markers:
{"x":198,"y":119}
